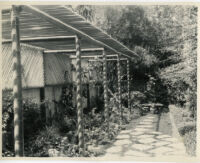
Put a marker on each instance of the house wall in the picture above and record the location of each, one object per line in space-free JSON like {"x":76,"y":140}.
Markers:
{"x":32,"y":94}
{"x":52,"y":96}
{"x":84,"y":65}
{"x":32,"y":66}
{"x":57,"y":69}
{"x":48,"y":71}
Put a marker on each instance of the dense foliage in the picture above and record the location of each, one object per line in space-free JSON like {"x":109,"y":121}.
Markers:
{"x":165,"y":39}
{"x":167,"y":36}
{"x":32,"y":122}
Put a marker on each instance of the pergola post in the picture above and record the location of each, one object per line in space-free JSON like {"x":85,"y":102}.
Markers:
{"x":78,"y":96}
{"x":17,"y":83}
{"x":105,"y":86}
{"x":128,"y":84}
{"x":119,"y":87}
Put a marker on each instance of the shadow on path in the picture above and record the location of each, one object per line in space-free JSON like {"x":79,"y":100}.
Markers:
{"x":145,"y":141}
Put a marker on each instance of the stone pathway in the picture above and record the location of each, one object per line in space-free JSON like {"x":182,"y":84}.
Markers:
{"x":145,"y":141}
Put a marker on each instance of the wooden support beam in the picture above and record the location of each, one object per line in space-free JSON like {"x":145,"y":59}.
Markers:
{"x":17,"y":84}
{"x":95,"y":60}
{"x":119,"y":87}
{"x":35,"y":39}
{"x":105,"y":86}
{"x":87,"y":56}
{"x":78,"y":97}
{"x":128,"y":85}
{"x":73,"y":51}
{"x":96,"y":56}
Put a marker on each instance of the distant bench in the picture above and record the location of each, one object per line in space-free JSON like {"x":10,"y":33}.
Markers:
{"x":153,"y":108}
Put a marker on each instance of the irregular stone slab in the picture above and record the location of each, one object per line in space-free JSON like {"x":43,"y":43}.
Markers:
{"x":122,"y":142}
{"x":177,"y":146}
{"x":171,"y":139}
{"x":145,"y":136}
{"x":141,"y":147}
{"x":144,"y":141}
{"x":149,"y":120}
{"x":163,"y":136}
{"x":136,"y":133}
{"x":161,"y":143}
{"x":155,"y":133}
{"x":114,"y":149}
{"x":176,"y":153}
{"x":141,"y":129}
{"x":136,"y":153}
{"x":126,"y":131}
{"x":161,"y":150}
{"x":122,"y":136}
{"x":145,"y":123}
{"x":144,"y":126}
{"x":152,"y":117}
{"x":147,"y":140}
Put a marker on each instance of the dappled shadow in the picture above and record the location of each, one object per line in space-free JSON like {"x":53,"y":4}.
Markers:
{"x":145,"y":141}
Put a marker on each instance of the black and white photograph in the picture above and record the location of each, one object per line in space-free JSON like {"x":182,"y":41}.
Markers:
{"x":100,"y":81}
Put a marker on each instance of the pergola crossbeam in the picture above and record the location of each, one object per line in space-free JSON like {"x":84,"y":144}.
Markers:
{"x":73,"y":50}
{"x":121,"y":59}
{"x":65,"y":26}
{"x":33,"y":39}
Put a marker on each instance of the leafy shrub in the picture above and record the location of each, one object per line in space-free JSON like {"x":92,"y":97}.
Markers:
{"x":39,"y":144}
{"x":188,"y":127}
{"x":137,"y":97}
{"x":7,"y":111}
{"x":32,"y":121}
{"x":7,"y":123}
{"x":67,"y":124}
{"x":32,"y":118}
{"x":157,"y":92}
{"x":190,"y":142}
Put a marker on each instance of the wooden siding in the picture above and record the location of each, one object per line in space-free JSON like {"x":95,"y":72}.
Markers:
{"x":32,"y":94}
{"x":32,"y":66}
{"x":84,"y":66}
{"x":52,"y":94}
{"x":50,"y":105}
{"x":57,"y":69}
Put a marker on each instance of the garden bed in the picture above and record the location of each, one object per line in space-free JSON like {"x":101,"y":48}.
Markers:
{"x":186,"y":126}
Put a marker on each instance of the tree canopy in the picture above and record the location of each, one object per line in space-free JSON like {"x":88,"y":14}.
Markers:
{"x":164,"y":36}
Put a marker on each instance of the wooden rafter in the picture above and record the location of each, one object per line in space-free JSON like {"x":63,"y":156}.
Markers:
{"x":52,"y":38}
{"x":70,"y":28}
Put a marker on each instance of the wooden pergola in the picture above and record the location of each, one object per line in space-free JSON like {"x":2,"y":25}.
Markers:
{"x":59,"y":30}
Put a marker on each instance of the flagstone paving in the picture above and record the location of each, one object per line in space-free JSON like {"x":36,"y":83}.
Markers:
{"x":145,"y":141}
